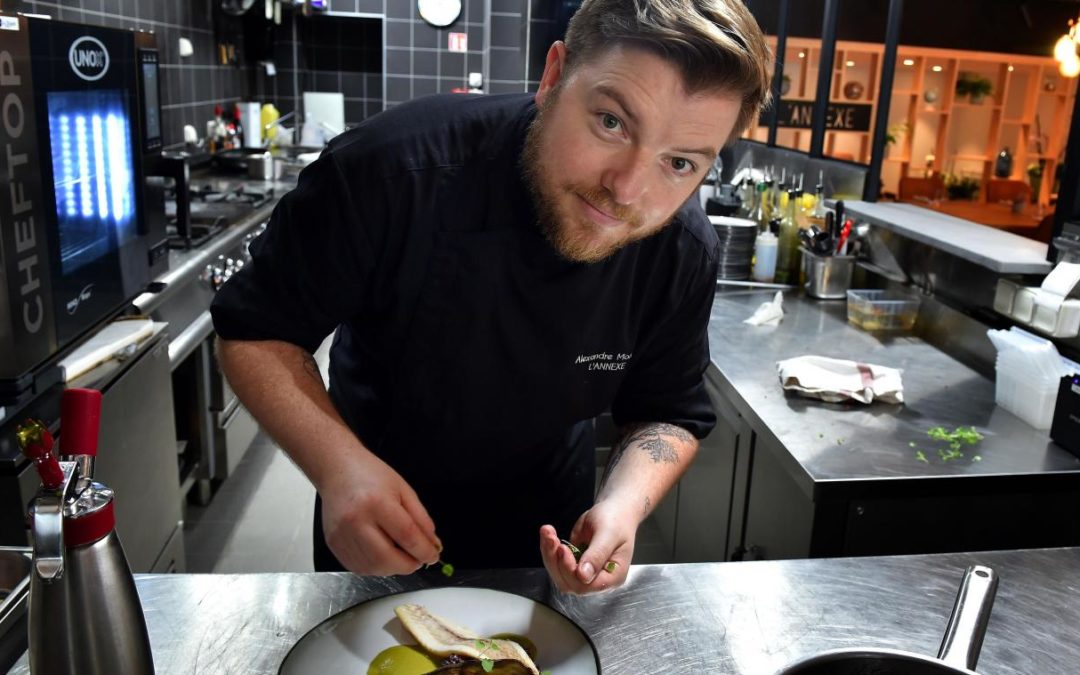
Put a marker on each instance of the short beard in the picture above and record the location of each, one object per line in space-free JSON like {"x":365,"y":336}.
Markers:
{"x":573,"y":244}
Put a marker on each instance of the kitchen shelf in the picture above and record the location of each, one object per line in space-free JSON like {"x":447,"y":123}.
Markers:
{"x":1005,"y":118}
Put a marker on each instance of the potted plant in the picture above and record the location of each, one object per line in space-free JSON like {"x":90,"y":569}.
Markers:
{"x":975,"y":87}
{"x":961,"y":187}
{"x":980,"y":88}
{"x":894,"y":133}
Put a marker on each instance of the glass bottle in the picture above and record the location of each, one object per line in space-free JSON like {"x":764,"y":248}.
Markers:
{"x":769,"y":201}
{"x":748,"y":198}
{"x":787,"y":254}
{"x":817,"y":214}
{"x":759,"y":214}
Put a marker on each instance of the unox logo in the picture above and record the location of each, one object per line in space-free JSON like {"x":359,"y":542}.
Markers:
{"x":89,"y":58}
{"x":83,"y":296}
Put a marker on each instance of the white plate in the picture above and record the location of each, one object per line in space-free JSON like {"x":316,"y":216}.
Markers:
{"x":347,"y":641}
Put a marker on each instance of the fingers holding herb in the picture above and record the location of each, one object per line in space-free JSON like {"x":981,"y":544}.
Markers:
{"x":574,"y":549}
{"x":558,"y":560}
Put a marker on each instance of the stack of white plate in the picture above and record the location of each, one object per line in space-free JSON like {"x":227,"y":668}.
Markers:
{"x":737,"y":237}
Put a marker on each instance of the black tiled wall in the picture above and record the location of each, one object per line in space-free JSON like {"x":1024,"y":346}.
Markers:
{"x":418,"y":61}
{"x":190,"y":87}
{"x":545,"y":27}
{"x":327,"y":53}
{"x":507,"y":41}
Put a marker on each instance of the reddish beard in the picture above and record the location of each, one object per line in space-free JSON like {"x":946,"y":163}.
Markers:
{"x":575,"y":239}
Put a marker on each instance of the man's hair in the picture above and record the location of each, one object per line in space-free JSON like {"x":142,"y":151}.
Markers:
{"x":716,"y":45}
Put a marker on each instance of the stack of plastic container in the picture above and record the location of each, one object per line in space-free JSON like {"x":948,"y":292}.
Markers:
{"x":1029,"y":371}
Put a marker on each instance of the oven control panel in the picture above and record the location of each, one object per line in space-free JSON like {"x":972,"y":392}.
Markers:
{"x":229,"y":263}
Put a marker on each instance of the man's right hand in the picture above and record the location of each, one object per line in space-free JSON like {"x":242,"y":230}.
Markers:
{"x":374,"y":522}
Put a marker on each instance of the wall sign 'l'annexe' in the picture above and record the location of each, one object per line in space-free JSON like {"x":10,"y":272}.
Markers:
{"x":838,"y":116}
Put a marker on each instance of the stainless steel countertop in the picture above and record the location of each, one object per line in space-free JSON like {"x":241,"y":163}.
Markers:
{"x":1000,"y":251}
{"x":831,"y":443}
{"x":750,"y":617}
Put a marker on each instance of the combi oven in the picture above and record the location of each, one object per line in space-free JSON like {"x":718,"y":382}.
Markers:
{"x":79,"y":118}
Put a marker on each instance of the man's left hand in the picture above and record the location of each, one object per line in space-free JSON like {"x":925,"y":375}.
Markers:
{"x":606,"y":534}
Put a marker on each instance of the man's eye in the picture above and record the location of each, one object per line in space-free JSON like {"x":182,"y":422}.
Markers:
{"x":610,"y":122}
{"x":682,"y":165}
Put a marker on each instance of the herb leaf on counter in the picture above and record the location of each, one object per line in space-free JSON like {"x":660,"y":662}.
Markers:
{"x":956,"y":440}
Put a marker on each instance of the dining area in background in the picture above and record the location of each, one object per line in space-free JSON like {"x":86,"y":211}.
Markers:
{"x":1002,"y":203}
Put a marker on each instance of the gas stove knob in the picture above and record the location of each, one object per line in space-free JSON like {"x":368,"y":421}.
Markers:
{"x":211,"y":276}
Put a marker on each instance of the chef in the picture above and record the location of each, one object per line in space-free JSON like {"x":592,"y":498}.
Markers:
{"x":498,"y":271}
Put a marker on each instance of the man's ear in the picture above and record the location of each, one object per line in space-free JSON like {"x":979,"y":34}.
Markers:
{"x":554,"y":68}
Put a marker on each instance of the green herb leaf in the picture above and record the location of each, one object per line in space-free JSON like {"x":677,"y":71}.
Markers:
{"x":839,"y":441}
{"x":911,"y":444}
{"x":921,"y":456}
{"x":574,"y":549}
{"x":976,"y":458}
{"x":447,"y":569}
{"x":487,"y":665}
{"x":611,"y":566}
{"x":480,"y":645}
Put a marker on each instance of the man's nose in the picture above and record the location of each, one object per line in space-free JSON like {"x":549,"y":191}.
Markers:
{"x":626,"y":179}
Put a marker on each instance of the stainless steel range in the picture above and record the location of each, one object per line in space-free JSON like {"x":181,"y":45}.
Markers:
{"x":212,"y":220}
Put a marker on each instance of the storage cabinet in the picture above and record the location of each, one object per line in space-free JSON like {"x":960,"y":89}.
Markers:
{"x":701,"y":518}
{"x":740,"y":500}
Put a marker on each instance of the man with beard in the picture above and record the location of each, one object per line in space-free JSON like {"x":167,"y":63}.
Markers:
{"x":500,"y":270}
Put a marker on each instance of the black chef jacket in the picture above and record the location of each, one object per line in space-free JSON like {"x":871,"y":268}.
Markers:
{"x":469,"y":355}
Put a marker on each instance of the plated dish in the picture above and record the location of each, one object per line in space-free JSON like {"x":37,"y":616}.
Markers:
{"x":348,"y":641}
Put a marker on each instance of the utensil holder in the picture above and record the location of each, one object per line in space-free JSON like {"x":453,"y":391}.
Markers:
{"x":828,"y":277}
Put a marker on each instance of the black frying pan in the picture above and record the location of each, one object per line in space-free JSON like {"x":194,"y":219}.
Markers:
{"x":959,"y":649}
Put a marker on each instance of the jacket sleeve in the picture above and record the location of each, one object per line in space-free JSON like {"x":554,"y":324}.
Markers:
{"x":310,"y":269}
{"x":666,"y":381}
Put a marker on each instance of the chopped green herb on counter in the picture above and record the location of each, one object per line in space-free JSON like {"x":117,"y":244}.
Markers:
{"x":956,"y":438}
{"x":839,"y":441}
{"x":946,"y":455}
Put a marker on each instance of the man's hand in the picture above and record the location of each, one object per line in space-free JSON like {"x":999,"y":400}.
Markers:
{"x":644,"y":464}
{"x":374,"y":522}
{"x":606,"y":532}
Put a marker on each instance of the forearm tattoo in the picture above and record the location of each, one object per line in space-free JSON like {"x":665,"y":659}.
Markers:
{"x":659,"y":440}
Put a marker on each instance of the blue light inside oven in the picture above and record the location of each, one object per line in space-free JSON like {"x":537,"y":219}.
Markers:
{"x":93,"y":170}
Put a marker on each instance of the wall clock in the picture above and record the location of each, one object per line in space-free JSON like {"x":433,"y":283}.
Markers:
{"x":439,"y":13}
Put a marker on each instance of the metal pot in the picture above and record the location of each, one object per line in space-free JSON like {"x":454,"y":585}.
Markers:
{"x":959,"y":650}
{"x":265,"y":166}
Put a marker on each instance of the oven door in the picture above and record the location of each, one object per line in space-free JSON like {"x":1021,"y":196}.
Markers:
{"x":84,"y":85}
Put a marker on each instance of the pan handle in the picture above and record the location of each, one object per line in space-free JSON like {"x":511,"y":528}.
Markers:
{"x":971,"y":612}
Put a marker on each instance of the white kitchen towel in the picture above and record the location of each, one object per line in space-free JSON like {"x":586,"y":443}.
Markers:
{"x":836,"y":380}
{"x":769,"y":313}
{"x":110,"y":342}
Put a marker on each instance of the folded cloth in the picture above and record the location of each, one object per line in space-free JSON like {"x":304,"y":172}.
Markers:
{"x":769,"y":313}
{"x":835,"y":380}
